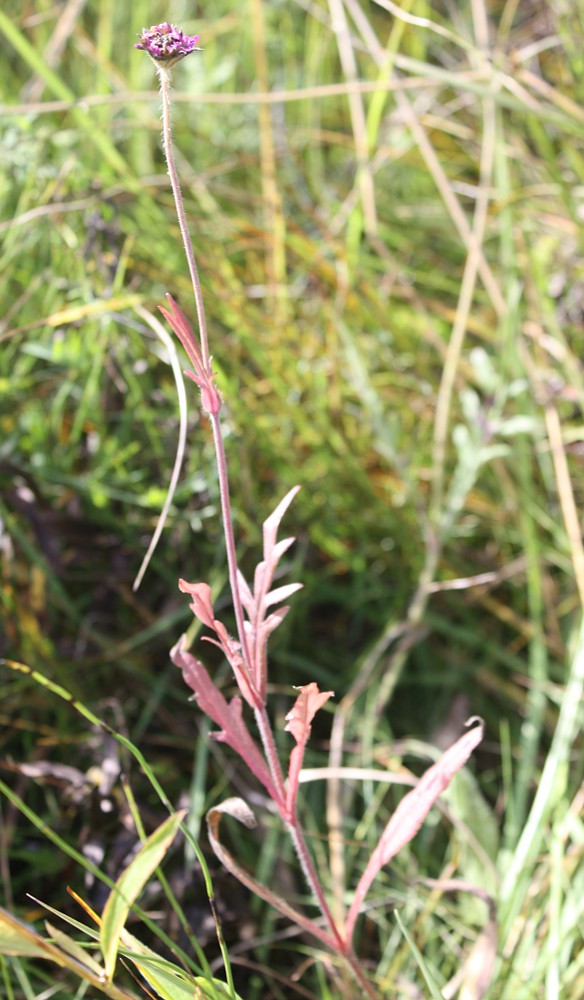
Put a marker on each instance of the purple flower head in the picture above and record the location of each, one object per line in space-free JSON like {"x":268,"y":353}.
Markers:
{"x":166,"y":44}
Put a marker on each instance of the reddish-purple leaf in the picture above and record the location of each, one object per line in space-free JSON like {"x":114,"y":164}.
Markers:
{"x":202,"y":605}
{"x":281,"y":594}
{"x":412,"y":811}
{"x":307,"y":704}
{"x":245,"y":593}
{"x":256,"y":602}
{"x":227,"y":716}
{"x":276,"y":618}
{"x":261,"y":581}
{"x":272,"y":523}
{"x":203,"y":609}
{"x":298,"y":722}
{"x":202,"y":376}
{"x":241,"y":812}
{"x":280,"y":548}
{"x":181,"y":326}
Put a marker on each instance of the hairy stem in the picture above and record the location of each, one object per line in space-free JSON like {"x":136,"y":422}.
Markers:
{"x":165,"y":85}
{"x":307,"y":866}
{"x":229,"y":537}
{"x":164,"y":76}
{"x":269,"y":745}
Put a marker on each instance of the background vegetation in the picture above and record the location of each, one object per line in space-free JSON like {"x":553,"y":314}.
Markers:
{"x":393,"y":277}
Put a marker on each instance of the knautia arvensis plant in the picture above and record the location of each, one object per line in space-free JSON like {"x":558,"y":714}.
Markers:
{"x":259,"y":610}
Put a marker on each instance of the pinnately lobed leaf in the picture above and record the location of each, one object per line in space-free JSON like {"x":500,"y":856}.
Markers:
{"x":227,"y":715}
{"x":202,"y":607}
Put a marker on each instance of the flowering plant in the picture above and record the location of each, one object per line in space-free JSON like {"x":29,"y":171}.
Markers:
{"x":259,"y":610}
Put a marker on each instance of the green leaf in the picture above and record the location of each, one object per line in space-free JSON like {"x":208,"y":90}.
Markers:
{"x":435,"y":992}
{"x":129,"y":886}
{"x":20,"y":939}
{"x":73,"y":948}
{"x":170,"y":981}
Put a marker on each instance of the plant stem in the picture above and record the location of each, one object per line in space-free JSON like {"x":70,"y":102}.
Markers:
{"x":262,"y":719}
{"x":297,"y":837}
{"x":165,"y":82}
{"x":359,"y":975}
{"x":343,"y":946}
{"x":269,"y":745}
{"x":229,"y":537}
{"x":307,"y":866}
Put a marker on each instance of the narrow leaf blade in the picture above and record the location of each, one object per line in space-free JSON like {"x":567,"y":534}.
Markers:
{"x":435,"y":993}
{"x":130,"y":885}
{"x":412,"y":811}
{"x":298,"y":722}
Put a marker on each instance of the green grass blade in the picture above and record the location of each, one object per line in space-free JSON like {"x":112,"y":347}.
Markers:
{"x":129,"y":886}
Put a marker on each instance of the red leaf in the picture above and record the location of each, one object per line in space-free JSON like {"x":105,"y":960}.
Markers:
{"x":202,"y":605}
{"x":258,"y":600}
{"x":201,"y":376}
{"x":412,"y":811}
{"x":241,"y":812}
{"x":299,"y":720}
{"x":281,"y":594}
{"x":272,"y":523}
{"x":233,"y":729}
{"x":203,"y":609}
{"x":181,"y":326}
